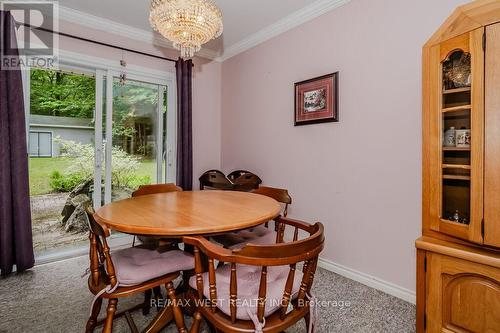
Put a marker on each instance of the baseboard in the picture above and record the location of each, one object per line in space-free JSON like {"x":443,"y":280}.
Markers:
{"x":368,"y":280}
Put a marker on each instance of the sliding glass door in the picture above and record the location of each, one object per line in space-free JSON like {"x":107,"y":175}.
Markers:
{"x":137,"y":137}
{"x":61,"y":130}
{"x":93,"y":136}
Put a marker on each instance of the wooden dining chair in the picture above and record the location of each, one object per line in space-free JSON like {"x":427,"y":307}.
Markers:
{"x":234,"y":299}
{"x":278,"y":194}
{"x":156,"y":188}
{"x":152,"y":242}
{"x":244,"y":181}
{"x":122,"y":273}
{"x":215,"y":179}
{"x":261,"y":234}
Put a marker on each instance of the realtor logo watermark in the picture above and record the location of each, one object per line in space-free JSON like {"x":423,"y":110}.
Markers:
{"x":36,"y":45}
{"x":249,"y":303}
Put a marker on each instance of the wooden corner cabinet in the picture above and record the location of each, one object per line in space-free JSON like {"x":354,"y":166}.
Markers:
{"x":458,"y":255}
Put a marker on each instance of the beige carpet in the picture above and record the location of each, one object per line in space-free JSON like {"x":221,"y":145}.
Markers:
{"x":54,"y":298}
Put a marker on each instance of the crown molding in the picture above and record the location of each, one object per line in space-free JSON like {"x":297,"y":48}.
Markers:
{"x":289,"y":22}
{"x":120,"y":29}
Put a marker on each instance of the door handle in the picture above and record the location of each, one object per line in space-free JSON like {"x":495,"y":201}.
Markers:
{"x":169,"y":158}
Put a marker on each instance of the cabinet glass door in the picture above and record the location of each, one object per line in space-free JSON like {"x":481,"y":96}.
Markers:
{"x":456,"y":130}
{"x":459,"y":132}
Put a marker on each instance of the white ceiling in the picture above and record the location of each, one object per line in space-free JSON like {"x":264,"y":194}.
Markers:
{"x":244,"y":20}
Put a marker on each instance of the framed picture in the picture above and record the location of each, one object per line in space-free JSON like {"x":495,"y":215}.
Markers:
{"x":316,"y":100}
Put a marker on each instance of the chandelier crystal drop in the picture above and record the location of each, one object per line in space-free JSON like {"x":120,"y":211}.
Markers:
{"x":187,"y":23}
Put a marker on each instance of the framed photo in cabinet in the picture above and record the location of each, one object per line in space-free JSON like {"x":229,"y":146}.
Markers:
{"x":316,"y":100}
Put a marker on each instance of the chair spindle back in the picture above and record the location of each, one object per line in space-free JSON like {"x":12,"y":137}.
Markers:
{"x":304,"y":250}
{"x":101,"y":265}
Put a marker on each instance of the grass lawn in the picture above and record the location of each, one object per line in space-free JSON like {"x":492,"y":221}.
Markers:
{"x":40,"y":169}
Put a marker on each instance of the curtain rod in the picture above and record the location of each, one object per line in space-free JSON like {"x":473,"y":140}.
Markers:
{"x":95,"y":42}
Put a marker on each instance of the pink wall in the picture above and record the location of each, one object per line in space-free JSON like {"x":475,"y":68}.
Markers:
{"x":361,"y":177}
{"x":206,"y":119}
{"x":206,"y":87}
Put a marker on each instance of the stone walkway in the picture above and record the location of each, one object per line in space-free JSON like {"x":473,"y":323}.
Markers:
{"x":47,"y":205}
{"x":48,"y":233}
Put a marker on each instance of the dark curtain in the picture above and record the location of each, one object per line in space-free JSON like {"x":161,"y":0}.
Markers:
{"x":184,"y":124}
{"x":16,"y":243}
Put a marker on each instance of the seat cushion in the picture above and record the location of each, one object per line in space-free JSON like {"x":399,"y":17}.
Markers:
{"x":136,"y":265}
{"x":248,"y":280}
{"x":259,"y":235}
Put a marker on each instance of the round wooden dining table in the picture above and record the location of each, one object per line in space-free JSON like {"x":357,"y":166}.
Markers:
{"x":176,"y":214}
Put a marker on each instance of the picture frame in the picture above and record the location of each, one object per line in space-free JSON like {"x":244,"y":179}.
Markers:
{"x":317,"y":100}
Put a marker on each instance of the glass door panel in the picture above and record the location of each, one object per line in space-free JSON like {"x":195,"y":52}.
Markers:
{"x":136,"y":127}
{"x":61,"y":129}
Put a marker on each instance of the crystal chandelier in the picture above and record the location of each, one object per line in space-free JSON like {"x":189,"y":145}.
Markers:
{"x":187,"y":23}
